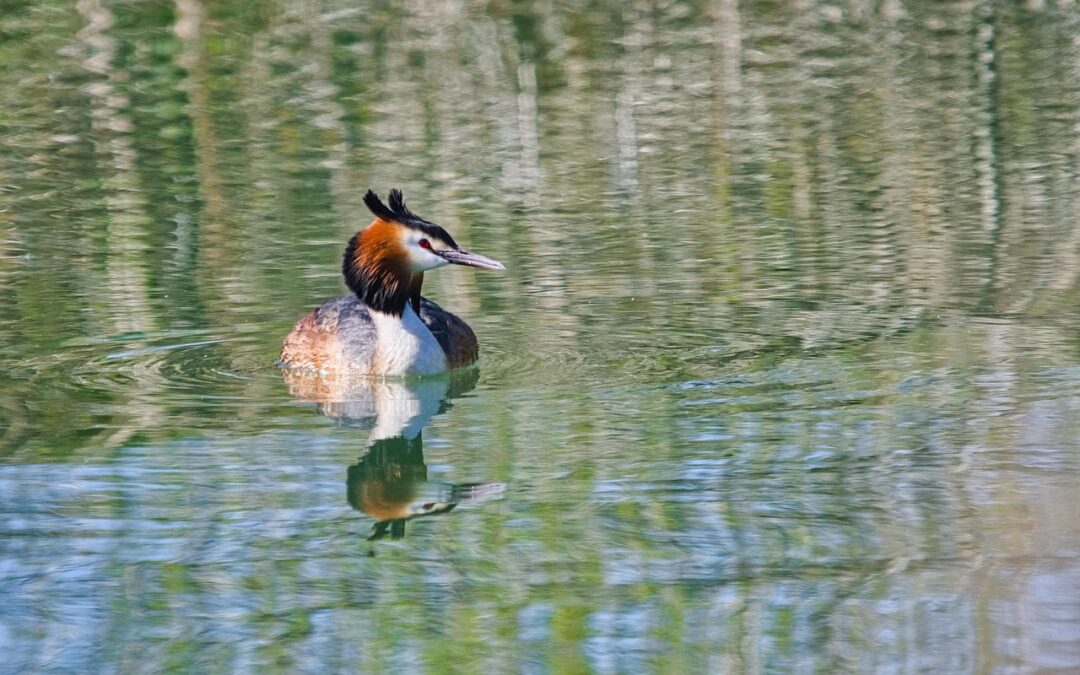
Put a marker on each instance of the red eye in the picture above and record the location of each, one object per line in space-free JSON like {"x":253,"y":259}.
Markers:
{"x":424,"y":243}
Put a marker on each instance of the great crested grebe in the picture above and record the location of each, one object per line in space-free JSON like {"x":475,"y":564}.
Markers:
{"x":387,"y":328}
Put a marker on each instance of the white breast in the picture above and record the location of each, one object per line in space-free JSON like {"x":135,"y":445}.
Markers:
{"x":405,"y":346}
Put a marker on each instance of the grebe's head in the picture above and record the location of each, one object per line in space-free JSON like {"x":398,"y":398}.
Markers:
{"x":385,"y":262}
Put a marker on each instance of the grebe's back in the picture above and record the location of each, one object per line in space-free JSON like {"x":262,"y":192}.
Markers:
{"x":344,"y":336}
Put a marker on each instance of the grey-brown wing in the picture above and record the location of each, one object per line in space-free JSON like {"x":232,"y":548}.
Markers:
{"x":337,"y":336}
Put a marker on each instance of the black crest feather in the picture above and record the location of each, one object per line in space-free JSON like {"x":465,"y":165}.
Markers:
{"x":397,"y":212}
{"x":397,"y":204}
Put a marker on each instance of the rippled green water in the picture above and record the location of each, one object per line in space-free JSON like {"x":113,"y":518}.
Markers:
{"x":783,"y":376}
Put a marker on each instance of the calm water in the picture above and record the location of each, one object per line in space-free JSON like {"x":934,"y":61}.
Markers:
{"x":783,"y":376}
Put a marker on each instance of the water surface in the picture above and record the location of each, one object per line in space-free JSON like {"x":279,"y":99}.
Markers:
{"x":783,"y":376}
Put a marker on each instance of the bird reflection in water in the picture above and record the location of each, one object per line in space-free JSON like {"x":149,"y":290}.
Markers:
{"x":390,"y":481}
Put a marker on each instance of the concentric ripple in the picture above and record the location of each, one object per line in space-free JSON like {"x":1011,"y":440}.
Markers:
{"x":115,"y":384}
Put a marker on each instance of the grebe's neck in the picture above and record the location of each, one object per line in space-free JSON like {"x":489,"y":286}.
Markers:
{"x":377,"y":273}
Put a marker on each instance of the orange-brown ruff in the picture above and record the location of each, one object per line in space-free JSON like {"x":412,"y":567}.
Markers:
{"x":387,"y":327}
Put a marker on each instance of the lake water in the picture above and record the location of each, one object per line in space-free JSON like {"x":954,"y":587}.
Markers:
{"x":783,"y":374}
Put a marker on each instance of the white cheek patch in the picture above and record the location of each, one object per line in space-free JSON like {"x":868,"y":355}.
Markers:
{"x":426,"y":260}
{"x":421,"y":259}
